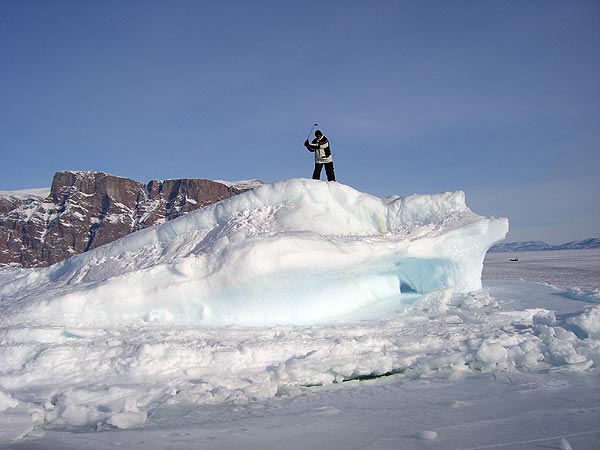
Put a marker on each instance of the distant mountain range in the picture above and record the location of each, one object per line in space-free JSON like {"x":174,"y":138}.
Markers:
{"x":530,"y":246}
{"x":83,"y":210}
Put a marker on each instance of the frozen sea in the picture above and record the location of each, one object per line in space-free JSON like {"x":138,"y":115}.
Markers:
{"x":512,"y":367}
{"x":561,"y":268}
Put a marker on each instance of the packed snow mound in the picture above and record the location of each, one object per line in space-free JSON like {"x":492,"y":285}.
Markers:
{"x":297,"y":251}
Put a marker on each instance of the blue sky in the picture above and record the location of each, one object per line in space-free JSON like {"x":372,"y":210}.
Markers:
{"x":500,"y":99}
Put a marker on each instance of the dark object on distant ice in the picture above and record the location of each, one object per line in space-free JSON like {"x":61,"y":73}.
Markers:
{"x":514,"y":259}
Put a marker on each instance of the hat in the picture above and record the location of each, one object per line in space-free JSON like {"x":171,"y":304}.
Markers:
{"x":318,"y":133}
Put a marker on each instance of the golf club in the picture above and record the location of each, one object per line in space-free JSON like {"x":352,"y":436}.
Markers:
{"x":311,"y":130}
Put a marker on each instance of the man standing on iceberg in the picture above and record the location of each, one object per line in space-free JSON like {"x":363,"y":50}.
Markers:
{"x":320,"y":147}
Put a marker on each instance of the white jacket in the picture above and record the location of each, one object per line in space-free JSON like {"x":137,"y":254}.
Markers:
{"x":321,"y":149}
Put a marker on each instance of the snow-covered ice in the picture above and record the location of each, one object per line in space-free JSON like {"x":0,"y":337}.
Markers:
{"x":268,"y":256}
{"x":298,"y":315}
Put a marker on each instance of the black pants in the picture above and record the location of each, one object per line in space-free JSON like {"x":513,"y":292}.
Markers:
{"x":328,"y":170}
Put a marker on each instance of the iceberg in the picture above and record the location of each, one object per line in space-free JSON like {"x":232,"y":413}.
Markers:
{"x":293,"y":252}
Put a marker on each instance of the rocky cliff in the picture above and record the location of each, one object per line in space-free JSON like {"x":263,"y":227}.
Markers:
{"x":87,"y":209}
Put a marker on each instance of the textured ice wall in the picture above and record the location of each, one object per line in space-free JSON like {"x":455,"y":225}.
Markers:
{"x":298,"y":251}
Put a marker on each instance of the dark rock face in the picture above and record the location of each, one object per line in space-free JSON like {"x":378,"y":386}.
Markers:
{"x":87,"y":209}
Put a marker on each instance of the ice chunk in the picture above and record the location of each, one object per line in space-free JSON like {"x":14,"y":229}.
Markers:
{"x":492,"y":353}
{"x":128,"y":419}
{"x":7,"y":401}
{"x":588,"y":321}
{"x":586,"y":295}
{"x":564,"y":444}
{"x":426,"y":435}
{"x":298,"y":251}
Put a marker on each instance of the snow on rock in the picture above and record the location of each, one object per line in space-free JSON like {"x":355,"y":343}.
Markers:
{"x":298,"y":251}
{"x":242,"y":185}
{"x":24,"y":194}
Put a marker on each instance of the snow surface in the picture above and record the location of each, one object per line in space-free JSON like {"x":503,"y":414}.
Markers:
{"x":514,"y":365}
